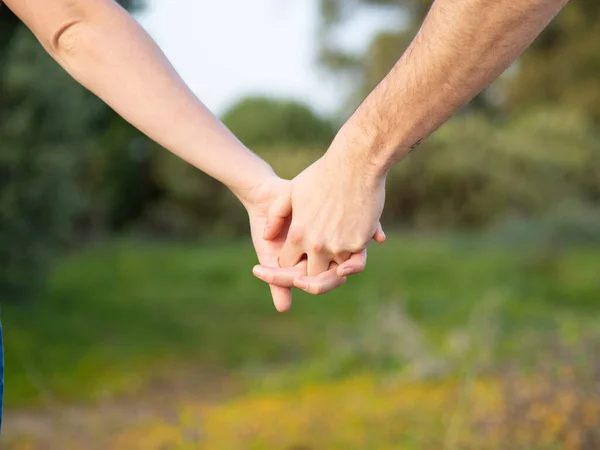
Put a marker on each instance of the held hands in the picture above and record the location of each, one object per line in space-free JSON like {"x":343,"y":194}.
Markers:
{"x":312,"y":232}
{"x":258,"y":201}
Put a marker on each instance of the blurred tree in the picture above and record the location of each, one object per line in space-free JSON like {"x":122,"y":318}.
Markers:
{"x":8,"y":26}
{"x":562,"y":66}
{"x":475,"y":171}
{"x":190,"y":204}
{"x":262,"y":122}
{"x":334,"y":13}
{"x":368,"y":69}
{"x":51,"y":129}
{"x":118,"y":176}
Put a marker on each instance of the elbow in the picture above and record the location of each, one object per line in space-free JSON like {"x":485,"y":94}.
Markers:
{"x":67,"y":37}
{"x":80,"y":24}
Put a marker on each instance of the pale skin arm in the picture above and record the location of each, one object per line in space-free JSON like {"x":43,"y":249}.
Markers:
{"x":462,"y":46}
{"x":108,"y":52}
{"x":105,"y":49}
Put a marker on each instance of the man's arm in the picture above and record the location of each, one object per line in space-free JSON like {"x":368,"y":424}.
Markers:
{"x":462,"y":46}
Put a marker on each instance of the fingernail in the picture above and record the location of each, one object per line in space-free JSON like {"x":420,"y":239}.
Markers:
{"x":258,"y":272}
{"x":346,"y":272}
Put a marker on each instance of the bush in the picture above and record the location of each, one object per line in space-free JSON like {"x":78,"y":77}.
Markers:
{"x":189,"y":203}
{"x":260,"y":122}
{"x":555,"y":403}
{"x":39,"y":155}
{"x":568,"y":223}
{"x":474,"y":172}
{"x":51,"y":133}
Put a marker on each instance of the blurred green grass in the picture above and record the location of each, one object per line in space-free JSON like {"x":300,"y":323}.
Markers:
{"x":116,"y":316}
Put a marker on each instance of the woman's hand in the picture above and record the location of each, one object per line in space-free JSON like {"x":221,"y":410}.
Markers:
{"x":270,"y":194}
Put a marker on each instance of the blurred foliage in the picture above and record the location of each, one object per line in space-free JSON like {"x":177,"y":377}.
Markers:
{"x":260,"y":122}
{"x":476,"y":171}
{"x":569,"y":223}
{"x":552,"y":403}
{"x":134,"y":320}
{"x":39,"y":152}
{"x":362,"y":413}
{"x":120,"y":315}
{"x":368,"y":412}
{"x":555,"y":405}
{"x":8,"y":26}
{"x":472,"y":174}
{"x":562,"y":67}
{"x":50,"y":130}
{"x":117,"y":318}
{"x":72,"y":171}
{"x":373,"y":412}
{"x":188,"y":203}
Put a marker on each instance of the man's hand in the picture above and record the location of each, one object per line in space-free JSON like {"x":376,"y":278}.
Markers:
{"x":273,"y":193}
{"x":337,"y":202}
{"x":335,"y":209}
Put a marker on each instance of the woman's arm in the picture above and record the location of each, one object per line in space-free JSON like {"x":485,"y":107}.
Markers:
{"x":104,"y":49}
{"x":109,"y":53}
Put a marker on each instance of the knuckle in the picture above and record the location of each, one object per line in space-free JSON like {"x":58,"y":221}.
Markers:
{"x":341,"y":255}
{"x":359,"y":244}
{"x":337,"y":249}
{"x":296,"y":235}
{"x":317,"y":246}
{"x":355,"y":247}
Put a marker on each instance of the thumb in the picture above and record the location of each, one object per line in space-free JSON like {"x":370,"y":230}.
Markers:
{"x":279,"y":211}
{"x":379,"y":234}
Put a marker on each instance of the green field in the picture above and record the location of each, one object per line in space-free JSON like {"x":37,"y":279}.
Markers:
{"x":117,"y":316}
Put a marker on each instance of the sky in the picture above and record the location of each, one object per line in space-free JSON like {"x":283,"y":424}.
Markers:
{"x":227,"y":49}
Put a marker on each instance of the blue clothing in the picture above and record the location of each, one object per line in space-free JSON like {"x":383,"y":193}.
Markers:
{"x":1,"y":376}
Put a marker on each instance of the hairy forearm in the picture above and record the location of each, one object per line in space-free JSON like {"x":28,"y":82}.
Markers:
{"x":462,"y":46}
{"x":107,"y":51}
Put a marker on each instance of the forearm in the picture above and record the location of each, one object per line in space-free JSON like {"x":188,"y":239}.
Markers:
{"x":462,"y":46}
{"x":104,"y":49}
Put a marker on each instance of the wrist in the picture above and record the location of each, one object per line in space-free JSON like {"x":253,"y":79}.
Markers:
{"x":375,"y":146}
{"x":355,"y":150}
{"x":246,"y":186}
